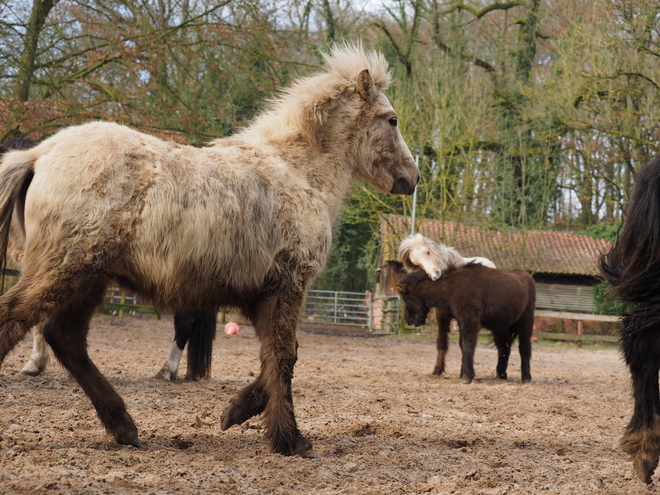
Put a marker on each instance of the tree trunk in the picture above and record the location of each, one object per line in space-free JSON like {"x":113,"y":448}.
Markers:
{"x":40,"y":11}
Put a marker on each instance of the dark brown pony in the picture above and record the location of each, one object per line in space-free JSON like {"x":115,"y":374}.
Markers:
{"x":477,"y":297}
{"x":633,"y":269}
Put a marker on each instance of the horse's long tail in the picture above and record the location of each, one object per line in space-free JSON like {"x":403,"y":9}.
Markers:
{"x":200,"y":345}
{"x":632,"y":266}
{"x":16,"y":172}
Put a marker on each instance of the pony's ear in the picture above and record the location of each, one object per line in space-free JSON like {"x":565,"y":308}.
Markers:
{"x":365,"y":86}
{"x":402,"y":288}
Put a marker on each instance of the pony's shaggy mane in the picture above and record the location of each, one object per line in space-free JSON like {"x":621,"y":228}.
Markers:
{"x":305,"y":105}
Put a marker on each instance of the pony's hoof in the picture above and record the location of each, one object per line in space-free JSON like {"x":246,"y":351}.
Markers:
{"x":230,"y":416}
{"x":645,"y":464}
{"x":31,"y":369}
{"x":466,"y":382}
{"x":302,"y":448}
{"x":129,"y":440}
{"x":308,"y":453}
{"x":165,"y":374}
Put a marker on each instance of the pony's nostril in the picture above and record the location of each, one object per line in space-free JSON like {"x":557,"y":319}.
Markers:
{"x":402,"y":186}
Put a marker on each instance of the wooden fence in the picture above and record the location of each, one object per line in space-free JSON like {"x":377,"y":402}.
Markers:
{"x":580,"y":337}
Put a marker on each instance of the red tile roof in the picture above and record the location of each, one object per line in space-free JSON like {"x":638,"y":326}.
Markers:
{"x":536,"y":251}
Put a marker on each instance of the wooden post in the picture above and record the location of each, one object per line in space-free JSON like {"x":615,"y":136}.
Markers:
{"x":580,"y":330}
{"x":122,"y":301}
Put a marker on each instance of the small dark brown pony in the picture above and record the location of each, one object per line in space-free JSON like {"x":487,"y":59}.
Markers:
{"x":477,"y":297}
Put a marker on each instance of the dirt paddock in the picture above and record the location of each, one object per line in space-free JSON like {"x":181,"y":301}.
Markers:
{"x":380,"y":422}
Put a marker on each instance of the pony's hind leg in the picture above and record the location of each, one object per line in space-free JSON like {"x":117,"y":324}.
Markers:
{"x":641,"y":440}
{"x":503,"y":340}
{"x":66,"y":333}
{"x":524,"y":329}
{"x":200,"y":345}
{"x":40,"y":355}
{"x":183,"y":325}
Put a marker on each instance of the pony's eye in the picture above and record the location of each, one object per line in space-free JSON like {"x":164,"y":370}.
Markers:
{"x":393,"y":121}
{"x":428,"y":252}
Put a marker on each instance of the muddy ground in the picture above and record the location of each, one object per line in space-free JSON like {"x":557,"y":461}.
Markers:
{"x":381,"y":423}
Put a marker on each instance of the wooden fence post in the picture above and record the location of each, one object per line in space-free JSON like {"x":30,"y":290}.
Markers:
{"x":580,"y":331}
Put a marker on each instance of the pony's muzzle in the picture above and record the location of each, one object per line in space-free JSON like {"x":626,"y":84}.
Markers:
{"x":403,"y":186}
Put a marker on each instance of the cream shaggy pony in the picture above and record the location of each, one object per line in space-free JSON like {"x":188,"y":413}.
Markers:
{"x":245,"y":222}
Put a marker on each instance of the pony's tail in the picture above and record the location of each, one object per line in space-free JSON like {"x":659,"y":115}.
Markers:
{"x":632,"y":266}
{"x":200,"y":345}
{"x":16,"y":172}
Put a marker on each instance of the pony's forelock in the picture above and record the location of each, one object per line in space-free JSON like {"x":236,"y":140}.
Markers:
{"x":347,"y":60}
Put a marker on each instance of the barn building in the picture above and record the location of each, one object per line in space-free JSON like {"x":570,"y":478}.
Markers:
{"x":565,"y":266}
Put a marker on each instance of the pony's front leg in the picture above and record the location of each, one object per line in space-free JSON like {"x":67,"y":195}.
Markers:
{"x":442,"y":344}
{"x":40,"y":355}
{"x":275,"y":319}
{"x":248,"y":403}
{"x":641,"y":440}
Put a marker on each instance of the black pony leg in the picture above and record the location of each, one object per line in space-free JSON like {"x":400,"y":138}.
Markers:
{"x":525,"y":331}
{"x":503,"y":341}
{"x":442,"y":343}
{"x":469,"y":330}
{"x":200,"y":345}
{"x":641,"y":440}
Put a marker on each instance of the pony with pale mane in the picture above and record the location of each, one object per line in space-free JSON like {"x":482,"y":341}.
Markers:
{"x":417,"y":251}
{"x":245,"y":223}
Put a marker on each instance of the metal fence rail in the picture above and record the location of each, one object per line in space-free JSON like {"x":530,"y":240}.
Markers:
{"x":355,"y":309}
{"x":385,"y":314}
{"x":337,"y":308}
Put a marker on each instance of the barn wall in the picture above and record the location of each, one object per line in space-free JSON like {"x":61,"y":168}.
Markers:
{"x":578,"y":298}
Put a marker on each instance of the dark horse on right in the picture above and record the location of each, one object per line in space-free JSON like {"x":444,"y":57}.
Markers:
{"x":477,"y":297}
{"x":632,"y":267}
